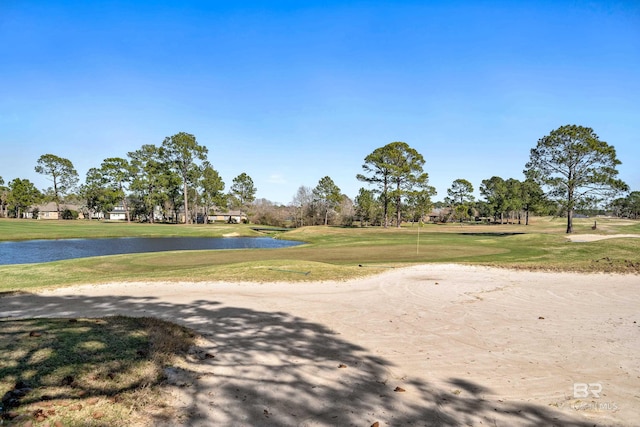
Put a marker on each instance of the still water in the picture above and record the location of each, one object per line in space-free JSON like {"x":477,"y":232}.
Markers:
{"x":33,"y":251}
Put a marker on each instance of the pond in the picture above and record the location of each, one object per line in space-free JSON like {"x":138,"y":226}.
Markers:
{"x":34,"y":251}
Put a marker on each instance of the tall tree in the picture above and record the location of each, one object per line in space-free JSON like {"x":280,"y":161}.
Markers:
{"x":366,"y":206}
{"x":182,"y":152}
{"x":97,"y":194}
{"x":4,"y":198}
{"x":494,"y":190}
{"x":532,"y":198}
{"x":396,"y":169}
{"x":407,"y":174}
{"x":301,"y":203}
{"x":514,"y":198}
{"x":195,"y":196}
{"x":22,"y":195}
{"x":460,"y":195}
{"x":627,"y":207}
{"x":327,"y":194}
{"x":152,"y":178}
{"x":61,"y":172}
{"x":242,"y":191}
{"x":461,"y":192}
{"x":633,"y":200}
{"x":419,"y":202}
{"x":377,"y":171}
{"x":212,"y":187}
{"x":575,"y":167}
{"x":118,"y":173}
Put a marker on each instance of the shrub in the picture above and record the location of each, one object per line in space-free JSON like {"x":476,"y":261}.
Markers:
{"x":69,"y":214}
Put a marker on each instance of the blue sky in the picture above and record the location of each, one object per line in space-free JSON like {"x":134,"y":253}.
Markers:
{"x":292,"y":91}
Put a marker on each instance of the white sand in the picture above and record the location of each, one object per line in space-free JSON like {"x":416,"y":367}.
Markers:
{"x":469,"y":345}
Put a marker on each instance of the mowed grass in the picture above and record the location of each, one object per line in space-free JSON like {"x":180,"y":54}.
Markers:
{"x":88,"y":372}
{"x":330,"y":253}
{"x":110,"y":371}
{"x":12,"y":229}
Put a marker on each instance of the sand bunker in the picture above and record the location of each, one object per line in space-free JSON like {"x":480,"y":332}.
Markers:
{"x":427,"y":345}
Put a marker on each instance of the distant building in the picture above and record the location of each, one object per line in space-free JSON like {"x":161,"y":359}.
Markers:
{"x":230,"y":216}
{"x":440,"y":215}
{"x":50,"y":210}
{"x":118,"y":213}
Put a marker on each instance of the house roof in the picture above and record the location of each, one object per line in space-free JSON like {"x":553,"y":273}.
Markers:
{"x":51,"y":207}
{"x":228,"y":213}
{"x":440,"y":211}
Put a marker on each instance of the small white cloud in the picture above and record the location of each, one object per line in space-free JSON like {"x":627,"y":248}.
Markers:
{"x":276,"y":178}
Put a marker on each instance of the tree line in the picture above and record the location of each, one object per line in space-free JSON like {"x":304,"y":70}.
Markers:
{"x":569,"y":170}
{"x":153,"y":181}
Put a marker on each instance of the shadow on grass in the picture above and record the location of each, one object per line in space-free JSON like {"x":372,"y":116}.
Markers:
{"x":10,"y":293}
{"x":69,"y":370}
{"x":272,"y":368}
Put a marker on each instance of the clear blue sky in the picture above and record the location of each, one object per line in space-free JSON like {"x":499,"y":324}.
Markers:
{"x":292,"y":91}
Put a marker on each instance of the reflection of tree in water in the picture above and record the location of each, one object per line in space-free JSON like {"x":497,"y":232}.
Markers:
{"x":272,"y":368}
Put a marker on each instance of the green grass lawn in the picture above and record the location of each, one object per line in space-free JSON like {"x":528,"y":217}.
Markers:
{"x":11,"y":229}
{"x":94,"y":372}
{"x":330,"y":252}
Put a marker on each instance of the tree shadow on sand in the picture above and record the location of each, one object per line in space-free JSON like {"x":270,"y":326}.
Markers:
{"x":274,"y":369}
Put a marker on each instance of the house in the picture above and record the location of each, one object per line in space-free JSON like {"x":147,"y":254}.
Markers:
{"x":230,"y":216}
{"x":118,"y":213}
{"x":439,"y":214}
{"x":50,"y":210}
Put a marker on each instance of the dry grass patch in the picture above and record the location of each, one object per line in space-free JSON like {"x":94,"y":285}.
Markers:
{"x":88,"y":372}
